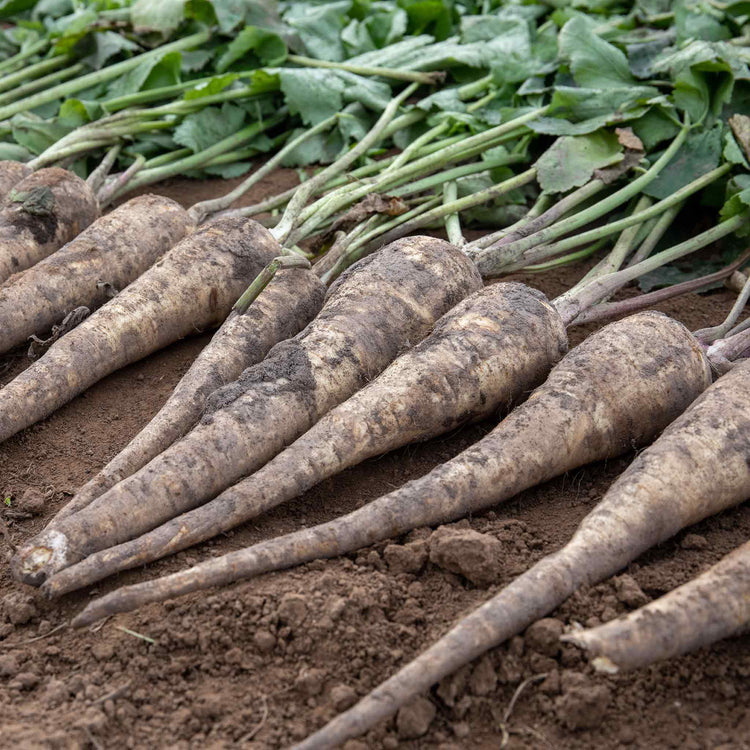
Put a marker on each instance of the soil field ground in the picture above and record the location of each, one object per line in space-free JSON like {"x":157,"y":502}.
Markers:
{"x":263,"y":663}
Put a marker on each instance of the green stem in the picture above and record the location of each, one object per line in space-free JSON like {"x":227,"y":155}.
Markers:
{"x":41,"y":83}
{"x":416,"y":145}
{"x":463,"y":170}
{"x":117,"y":185}
{"x":463,"y":149}
{"x":555,"y":248}
{"x":285,"y":232}
{"x":65,"y":90}
{"x":12,"y":80}
{"x":491,"y":262}
{"x":657,"y":232}
{"x":622,"y":248}
{"x":195,"y":161}
{"x":541,"y":205}
{"x":398,"y":75}
{"x":201,"y":210}
{"x":97,"y":178}
{"x":571,"y":304}
{"x":469,"y":201}
{"x":19,"y":57}
{"x":709,"y":335}
{"x":565,"y":260}
{"x":607,"y":310}
{"x":452,"y":221}
{"x":263,"y":279}
{"x":170,"y":156}
{"x":362,"y":246}
{"x":473,"y":89}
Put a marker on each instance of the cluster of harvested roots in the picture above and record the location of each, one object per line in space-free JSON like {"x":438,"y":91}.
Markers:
{"x":405,"y":345}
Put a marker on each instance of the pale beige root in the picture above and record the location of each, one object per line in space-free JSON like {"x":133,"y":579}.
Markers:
{"x":379,"y":307}
{"x":105,"y":258}
{"x":483,"y":355}
{"x":615,"y":390}
{"x":283,"y":309}
{"x":699,"y":466}
{"x":713,"y":606}
{"x":11,"y":173}
{"x":42,"y":212}
{"x":193,"y":287}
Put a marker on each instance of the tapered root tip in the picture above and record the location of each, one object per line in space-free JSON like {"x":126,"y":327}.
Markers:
{"x":34,"y":563}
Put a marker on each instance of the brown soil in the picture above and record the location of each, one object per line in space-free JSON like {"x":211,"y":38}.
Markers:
{"x":263,"y":663}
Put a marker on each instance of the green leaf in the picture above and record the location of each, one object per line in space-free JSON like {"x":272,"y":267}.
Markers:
{"x":163,"y":16}
{"x":593,"y":62}
{"x":11,"y":7}
{"x":149,"y":74}
{"x":35,"y":134}
{"x":195,"y":59}
{"x":699,"y":154}
{"x":212,"y":124}
{"x":655,"y":127}
{"x":738,"y":190}
{"x":429,"y":16}
{"x":572,"y":160}
{"x":585,"y":103}
{"x":107,"y":44}
{"x":313,"y":94}
{"x":208,"y":88}
{"x":268,"y":48}
{"x":319,"y":27}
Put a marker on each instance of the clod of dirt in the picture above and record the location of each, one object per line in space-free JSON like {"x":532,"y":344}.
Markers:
{"x":473,"y":555}
{"x":9,"y":665}
{"x":414,"y":719}
{"x":264,"y":641}
{"x":310,"y":682}
{"x":483,"y":679}
{"x":406,"y":558}
{"x":292,"y":610}
{"x":32,"y":501}
{"x":343,"y":697}
{"x":694,"y":541}
{"x":25,"y":681}
{"x":583,"y":703}
{"x":544,"y":636}
{"x":19,"y":608}
{"x":629,"y":592}
{"x":55,"y":692}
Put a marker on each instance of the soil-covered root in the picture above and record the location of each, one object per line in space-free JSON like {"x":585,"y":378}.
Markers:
{"x":43,"y":212}
{"x":617,"y":389}
{"x":713,"y":606}
{"x":283,"y":309}
{"x":698,"y":467}
{"x":483,"y":355}
{"x":11,"y":173}
{"x":193,"y":287}
{"x":116,"y":249}
{"x":380,"y":307}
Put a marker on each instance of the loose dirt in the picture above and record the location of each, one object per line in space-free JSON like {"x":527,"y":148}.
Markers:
{"x":262,"y":663}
